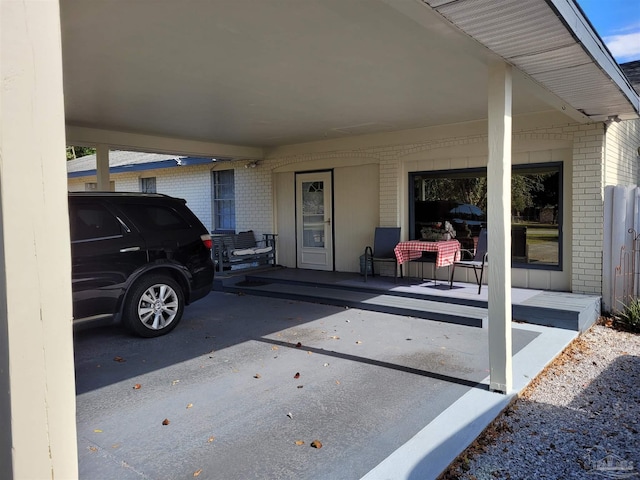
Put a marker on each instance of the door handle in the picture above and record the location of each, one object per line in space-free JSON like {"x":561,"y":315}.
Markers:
{"x":328,"y":221}
{"x":129,"y":249}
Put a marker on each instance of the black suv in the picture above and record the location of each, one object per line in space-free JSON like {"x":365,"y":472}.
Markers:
{"x":139,"y":258}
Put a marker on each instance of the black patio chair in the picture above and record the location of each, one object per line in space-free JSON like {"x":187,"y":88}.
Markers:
{"x":478,"y":262}
{"x":384,"y":241}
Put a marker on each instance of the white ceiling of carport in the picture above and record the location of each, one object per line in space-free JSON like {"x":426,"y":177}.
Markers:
{"x":265,"y":73}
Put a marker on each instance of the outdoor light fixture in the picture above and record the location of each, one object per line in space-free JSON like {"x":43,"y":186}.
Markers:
{"x":253,"y":164}
{"x":611,"y":119}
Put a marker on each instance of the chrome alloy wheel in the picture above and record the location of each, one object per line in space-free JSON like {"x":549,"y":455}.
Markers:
{"x":158,"y":306}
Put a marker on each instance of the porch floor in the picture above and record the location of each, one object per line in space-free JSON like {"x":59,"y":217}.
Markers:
{"x":421,"y":298}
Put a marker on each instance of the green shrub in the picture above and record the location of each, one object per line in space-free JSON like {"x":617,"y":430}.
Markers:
{"x":629,"y":318}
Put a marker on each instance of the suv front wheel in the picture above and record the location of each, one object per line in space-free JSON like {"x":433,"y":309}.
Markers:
{"x":154,"y":306}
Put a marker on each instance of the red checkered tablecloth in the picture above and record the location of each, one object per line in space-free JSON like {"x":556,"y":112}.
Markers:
{"x":446,"y":251}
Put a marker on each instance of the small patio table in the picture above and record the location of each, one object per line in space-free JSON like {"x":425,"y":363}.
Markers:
{"x":447,"y":251}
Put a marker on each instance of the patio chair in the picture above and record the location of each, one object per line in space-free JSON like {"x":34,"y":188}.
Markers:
{"x":384,"y":241}
{"x":478,"y":262}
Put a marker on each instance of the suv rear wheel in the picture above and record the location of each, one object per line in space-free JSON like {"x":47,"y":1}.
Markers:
{"x":154,"y":306}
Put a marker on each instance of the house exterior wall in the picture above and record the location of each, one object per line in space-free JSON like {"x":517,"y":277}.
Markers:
{"x":375,"y":171}
{"x":578,"y":147}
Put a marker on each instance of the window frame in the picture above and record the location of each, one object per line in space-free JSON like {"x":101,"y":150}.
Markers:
{"x":216,"y":201}
{"x":482,"y":171}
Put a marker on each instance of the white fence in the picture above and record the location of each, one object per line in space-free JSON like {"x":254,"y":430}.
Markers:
{"x":621,"y":246}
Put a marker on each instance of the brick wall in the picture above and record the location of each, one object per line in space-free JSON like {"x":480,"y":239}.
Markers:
{"x":588,"y":209}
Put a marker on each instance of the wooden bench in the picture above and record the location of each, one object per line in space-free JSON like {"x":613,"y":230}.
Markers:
{"x":242,"y":248}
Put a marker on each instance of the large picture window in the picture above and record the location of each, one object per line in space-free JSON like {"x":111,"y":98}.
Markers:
{"x":460,"y":198}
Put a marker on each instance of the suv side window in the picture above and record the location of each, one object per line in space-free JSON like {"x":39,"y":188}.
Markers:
{"x":154,"y":217}
{"x":93,"y":221}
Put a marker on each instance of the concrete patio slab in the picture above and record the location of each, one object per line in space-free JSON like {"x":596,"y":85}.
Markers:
{"x":244,"y":378}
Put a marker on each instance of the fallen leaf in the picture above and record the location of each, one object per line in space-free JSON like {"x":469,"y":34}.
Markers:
{"x":119,"y":359}
{"x":335,"y":337}
{"x":175,"y":381}
{"x":316,"y":444}
{"x":298,"y":345}
{"x":337,"y":382}
{"x":290,"y":415}
{"x":197,"y":472}
{"x":309,"y":353}
{"x":297,"y":375}
{"x":189,"y":405}
{"x":97,"y":431}
{"x":115,"y":445}
{"x":299,"y":442}
{"x":257,"y":375}
{"x":274,"y":347}
{"x":93,"y":449}
{"x":166,"y":421}
{"x":211,"y":439}
{"x":137,"y":386}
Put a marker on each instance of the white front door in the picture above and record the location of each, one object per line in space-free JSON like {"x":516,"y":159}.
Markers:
{"x":314,"y":229}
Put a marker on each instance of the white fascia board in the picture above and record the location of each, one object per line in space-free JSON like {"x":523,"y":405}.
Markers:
{"x":584,"y":33}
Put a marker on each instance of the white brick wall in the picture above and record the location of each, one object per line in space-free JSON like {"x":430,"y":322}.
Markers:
{"x":587,"y":209}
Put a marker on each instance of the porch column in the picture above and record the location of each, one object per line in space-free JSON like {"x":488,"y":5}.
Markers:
{"x":37,"y":388}
{"x":102,"y":168}
{"x":499,"y":226}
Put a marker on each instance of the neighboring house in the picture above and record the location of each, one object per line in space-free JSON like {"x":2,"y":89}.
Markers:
{"x":202,"y":182}
{"x":632,"y":71}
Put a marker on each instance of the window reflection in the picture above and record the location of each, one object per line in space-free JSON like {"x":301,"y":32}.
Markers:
{"x":460,"y":198}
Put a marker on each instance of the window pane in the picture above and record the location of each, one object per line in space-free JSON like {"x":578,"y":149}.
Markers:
{"x":224,"y":200}
{"x":148,"y":185}
{"x":460,"y":197}
{"x":157,"y":218}
{"x":92,"y":222}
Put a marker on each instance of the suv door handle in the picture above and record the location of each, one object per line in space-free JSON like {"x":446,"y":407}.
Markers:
{"x":129,"y":249}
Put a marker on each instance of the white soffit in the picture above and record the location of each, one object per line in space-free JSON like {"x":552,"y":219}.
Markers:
{"x":553,"y":43}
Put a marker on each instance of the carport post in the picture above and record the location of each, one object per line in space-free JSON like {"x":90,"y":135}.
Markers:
{"x":102,"y":168}
{"x":37,"y":388}
{"x":499,"y":224}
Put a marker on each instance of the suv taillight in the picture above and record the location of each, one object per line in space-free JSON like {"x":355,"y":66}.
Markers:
{"x":206,"y":239}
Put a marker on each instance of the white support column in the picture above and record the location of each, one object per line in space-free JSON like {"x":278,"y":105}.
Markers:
{"x":102,"y":168}
{"x":499,"y":224}
{"x":37,"y":388}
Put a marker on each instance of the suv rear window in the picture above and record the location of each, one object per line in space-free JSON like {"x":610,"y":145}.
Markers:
{"x":154,"y":217}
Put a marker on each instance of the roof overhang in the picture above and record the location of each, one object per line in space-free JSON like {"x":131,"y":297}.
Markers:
{"x":239,"y":78}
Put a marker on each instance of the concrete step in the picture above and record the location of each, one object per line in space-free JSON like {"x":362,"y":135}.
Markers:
{"x":364,"y":299}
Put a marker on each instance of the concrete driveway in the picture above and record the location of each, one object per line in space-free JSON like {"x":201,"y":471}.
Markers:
{"x":245,"y":384}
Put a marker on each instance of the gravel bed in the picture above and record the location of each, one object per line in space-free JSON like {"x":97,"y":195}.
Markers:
{"x":579,"y":419}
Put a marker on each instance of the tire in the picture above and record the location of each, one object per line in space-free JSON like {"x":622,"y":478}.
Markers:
{"x":154,"y":306}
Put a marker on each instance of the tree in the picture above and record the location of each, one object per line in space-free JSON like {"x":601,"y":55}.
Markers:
{"x":77,"y":152}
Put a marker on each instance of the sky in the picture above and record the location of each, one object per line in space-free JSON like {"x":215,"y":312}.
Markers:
{"x":618,"y":24}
